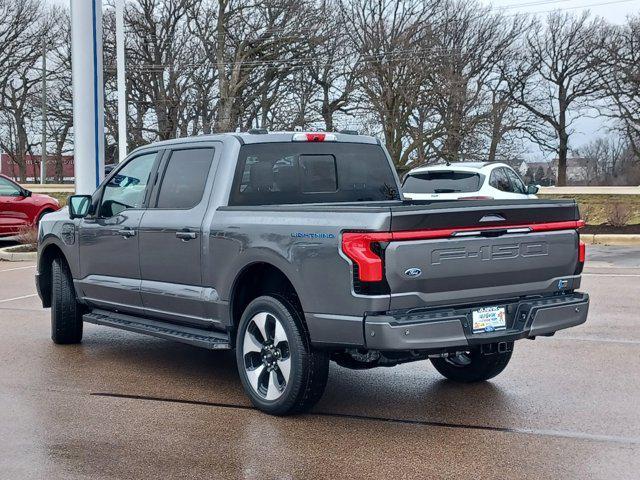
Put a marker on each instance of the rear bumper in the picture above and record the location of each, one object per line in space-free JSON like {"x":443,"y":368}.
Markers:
{"x":444,"y":329}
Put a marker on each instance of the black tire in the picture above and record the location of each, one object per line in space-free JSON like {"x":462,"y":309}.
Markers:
{"x":476,"y":366}
{"x":309,"y":367}
{"x":66,"y":312}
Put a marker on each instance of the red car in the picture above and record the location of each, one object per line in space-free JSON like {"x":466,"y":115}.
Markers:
{"x":20,"y":207}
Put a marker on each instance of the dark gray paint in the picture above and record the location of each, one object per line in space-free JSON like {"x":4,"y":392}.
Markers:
{"x":191,"y":282}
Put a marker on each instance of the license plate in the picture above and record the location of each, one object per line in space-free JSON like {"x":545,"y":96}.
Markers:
{"x":489,"y":319}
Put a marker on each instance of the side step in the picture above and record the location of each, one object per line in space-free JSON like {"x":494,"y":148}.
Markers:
{"x":193,"y":336}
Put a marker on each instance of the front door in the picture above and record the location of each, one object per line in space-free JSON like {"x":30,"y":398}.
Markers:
{"x":109,"y":256}
{"x":171,"y":238}
{"x":13,"y":207}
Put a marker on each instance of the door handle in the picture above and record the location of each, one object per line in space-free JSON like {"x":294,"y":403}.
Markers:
{"x":127,"y":232}
{"x":186,"y":235}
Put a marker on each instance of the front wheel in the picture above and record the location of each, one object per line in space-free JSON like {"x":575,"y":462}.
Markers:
{"x":66,"y":312}
{"x":472,"y":366}
{"x":279,"y":369}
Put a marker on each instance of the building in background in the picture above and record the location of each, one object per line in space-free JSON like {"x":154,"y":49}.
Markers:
{"x":59,"y":169}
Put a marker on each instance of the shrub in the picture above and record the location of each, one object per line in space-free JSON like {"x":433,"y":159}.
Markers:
{"x":586,"y":212}
{"x":619,"y":214}
{"x":27,"y":235}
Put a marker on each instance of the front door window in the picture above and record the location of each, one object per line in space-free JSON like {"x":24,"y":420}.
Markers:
{"x":126,"y":189}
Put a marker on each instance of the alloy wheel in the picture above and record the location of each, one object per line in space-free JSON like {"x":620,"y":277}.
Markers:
{"x":266,"y":355}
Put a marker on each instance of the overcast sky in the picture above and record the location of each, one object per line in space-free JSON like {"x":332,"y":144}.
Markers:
{"x":614,"y":11}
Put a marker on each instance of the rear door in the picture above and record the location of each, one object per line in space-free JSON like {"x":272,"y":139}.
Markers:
{"x":171,"y":240}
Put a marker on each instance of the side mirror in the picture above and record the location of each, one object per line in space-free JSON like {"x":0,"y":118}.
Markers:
{"x":79,"y":206}
{"x":532,"y":189}
{"x":26,"y":193}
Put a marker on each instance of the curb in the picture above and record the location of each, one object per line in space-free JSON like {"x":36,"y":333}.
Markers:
{"x":7,"y":255}
{"x":608,"y":239}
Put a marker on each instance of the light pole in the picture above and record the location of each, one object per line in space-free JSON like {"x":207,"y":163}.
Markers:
{"x":43,"y":155}
{"x":122,"y":81}
{"x":88,"y":93}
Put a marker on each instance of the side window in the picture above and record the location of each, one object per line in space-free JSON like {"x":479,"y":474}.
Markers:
{"x":517,"y":185}
{"x":184,"y":178}
{"x":8,"y":189}
{"x":126,"y":189}
{"x":500,"y":180}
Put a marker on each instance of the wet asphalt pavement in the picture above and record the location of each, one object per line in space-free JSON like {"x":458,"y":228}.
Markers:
{"x":122,"y":405}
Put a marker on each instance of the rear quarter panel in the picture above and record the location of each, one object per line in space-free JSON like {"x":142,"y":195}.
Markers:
{"x":303,"y":243}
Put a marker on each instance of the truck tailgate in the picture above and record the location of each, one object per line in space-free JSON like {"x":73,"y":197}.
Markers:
{"x":481,"y":252}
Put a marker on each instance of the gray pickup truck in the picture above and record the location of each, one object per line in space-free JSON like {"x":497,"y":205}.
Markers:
{"x":297,"y":249}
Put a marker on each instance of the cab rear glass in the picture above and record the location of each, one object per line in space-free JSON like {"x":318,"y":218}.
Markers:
{"x":442,"y":182}
{"x":298,"y":173}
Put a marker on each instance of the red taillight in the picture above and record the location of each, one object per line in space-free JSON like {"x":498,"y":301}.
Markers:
{"x":582,"y":252}
{"x":357,"y":246}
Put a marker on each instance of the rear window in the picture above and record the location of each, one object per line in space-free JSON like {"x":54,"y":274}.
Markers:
{"x":442,"y":182}
{"x":290,"y":173}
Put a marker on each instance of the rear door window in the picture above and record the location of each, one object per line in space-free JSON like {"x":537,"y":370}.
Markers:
{"x":184,"y":178}
{"x":290,"y":173}
{"x":442,"y":182}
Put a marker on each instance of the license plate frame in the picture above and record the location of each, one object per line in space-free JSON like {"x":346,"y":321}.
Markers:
{"x":489,"y":319}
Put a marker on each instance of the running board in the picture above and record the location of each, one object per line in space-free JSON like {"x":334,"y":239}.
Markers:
{"x":193,"y":336}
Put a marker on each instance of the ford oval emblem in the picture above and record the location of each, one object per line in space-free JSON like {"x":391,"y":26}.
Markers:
{"x":413,"y":272}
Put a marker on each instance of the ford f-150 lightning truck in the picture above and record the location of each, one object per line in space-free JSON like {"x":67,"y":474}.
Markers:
{"x":298,"y":248}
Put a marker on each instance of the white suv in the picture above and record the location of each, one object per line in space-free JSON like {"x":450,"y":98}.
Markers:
{"x":466,"y":180}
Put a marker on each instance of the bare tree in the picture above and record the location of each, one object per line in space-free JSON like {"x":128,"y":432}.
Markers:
{"x":610,"y":161}
{"x":391,"y":38}
{"x":24,"y":29}
{"x":335,"y":66}
{"x":471,"y":41}
{"x":253,"y":44}
{"x":558,"y":75}
{"x":161,"y":64}
{"x":622,"y":79}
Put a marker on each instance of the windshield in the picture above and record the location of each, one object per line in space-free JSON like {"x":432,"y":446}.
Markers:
{"x":442,"y":182}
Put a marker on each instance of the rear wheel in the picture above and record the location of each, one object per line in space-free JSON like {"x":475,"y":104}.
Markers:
{"x":66,"y":312}
{"x":279,"y":369}
{"x":472,"y":366}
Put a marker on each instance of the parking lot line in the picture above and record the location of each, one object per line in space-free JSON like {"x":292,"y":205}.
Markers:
{"x":611,"y":274}
{"x":17,"y":268}
{"x":5,"y":300}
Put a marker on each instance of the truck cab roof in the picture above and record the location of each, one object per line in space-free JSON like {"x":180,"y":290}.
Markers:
{"x":270,"y":137}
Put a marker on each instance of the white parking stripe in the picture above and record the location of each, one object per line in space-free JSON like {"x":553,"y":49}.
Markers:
{"x":18,"y":298}
{"x":17,"y":268}
{"x":611,"y":274}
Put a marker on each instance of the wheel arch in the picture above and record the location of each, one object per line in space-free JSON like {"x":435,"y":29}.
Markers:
{"x":42,"y":212}
{"x":254,"y":280}
{"x":45,"y":266}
